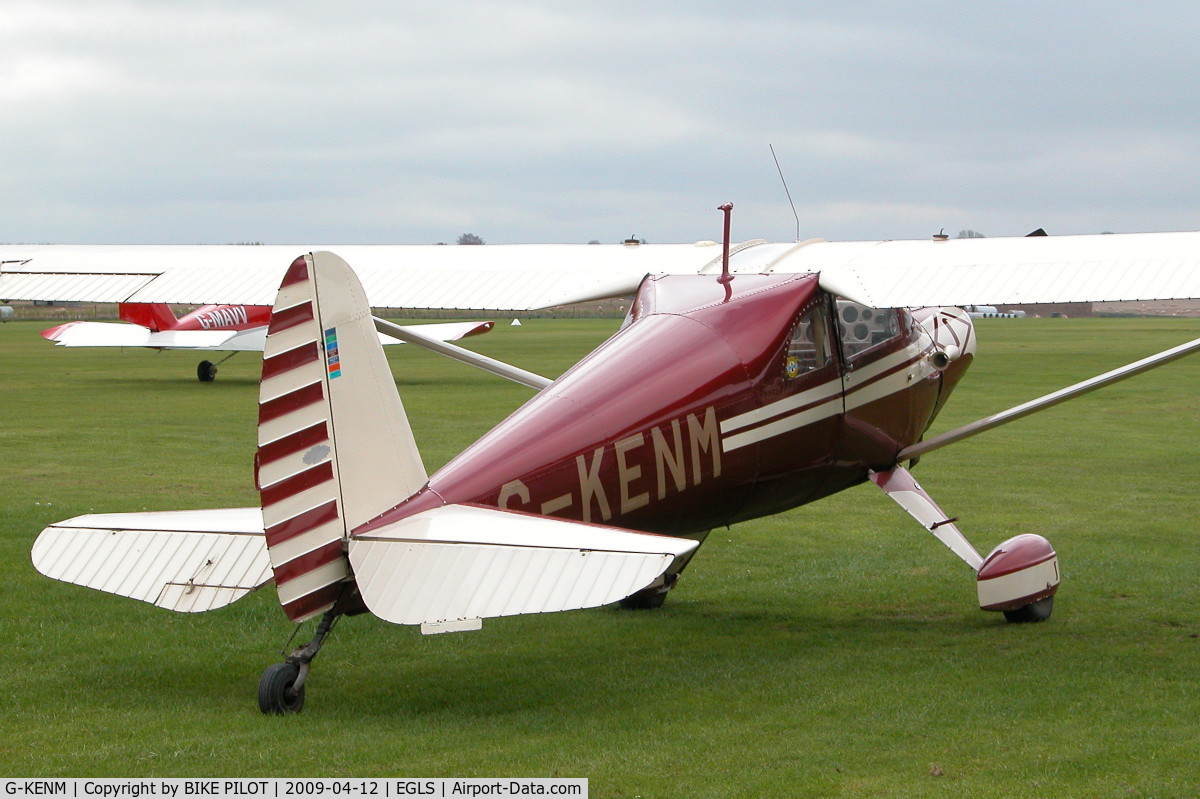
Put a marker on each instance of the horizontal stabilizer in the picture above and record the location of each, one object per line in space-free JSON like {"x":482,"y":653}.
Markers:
{"x":188,"y":561}
{"x":460,"y":562}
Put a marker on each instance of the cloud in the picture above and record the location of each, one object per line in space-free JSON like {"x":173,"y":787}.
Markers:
{"x":540,"y":121}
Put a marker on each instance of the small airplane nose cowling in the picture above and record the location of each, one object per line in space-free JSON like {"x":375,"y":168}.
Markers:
{"x":1021,"y":571}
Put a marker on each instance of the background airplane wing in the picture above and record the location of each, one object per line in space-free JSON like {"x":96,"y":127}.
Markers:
{"x":443,"y":331}
{"x":120,"y":334}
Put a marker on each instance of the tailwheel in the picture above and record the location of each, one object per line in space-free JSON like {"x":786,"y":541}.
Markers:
{"x":277,"y":691}
{"x":206,"y":371}
{"x":281,"y":687}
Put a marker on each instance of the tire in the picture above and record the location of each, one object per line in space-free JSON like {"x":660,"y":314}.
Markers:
{"x":1035,"y":612}
{"x":646,"y":599}
{"x":275,"y":694}
{"x":206,"y":371}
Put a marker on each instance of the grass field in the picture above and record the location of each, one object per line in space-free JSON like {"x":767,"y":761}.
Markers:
{"x":831,"y":651}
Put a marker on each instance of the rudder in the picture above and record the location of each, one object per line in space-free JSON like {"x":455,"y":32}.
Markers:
{"x":334,"y":445}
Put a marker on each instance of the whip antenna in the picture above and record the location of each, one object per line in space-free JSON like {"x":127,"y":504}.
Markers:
{"x":785,"y":190}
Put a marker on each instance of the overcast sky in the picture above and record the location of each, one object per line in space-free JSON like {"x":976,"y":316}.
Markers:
{"x":164,"y":121}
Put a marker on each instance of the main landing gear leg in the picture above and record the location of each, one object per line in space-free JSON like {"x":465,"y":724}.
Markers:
{"x":653,"y":596}
{"x":281,"y":687}
{"x":1019,"y":577}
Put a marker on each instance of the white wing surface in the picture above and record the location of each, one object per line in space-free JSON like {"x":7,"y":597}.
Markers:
{"x":188,"y":561}
{"x":1006,"y":271}
{"x":981,"y":271}
{"x":460,"y":562}
{"x":120,"y":334}
{"x":501,"y":277}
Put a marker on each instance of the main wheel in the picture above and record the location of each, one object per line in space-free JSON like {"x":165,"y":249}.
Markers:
{"x":275,"y":694}
{"x":1034,"y":612}
{"x":206,"y":371}
{"x":646,"y":599}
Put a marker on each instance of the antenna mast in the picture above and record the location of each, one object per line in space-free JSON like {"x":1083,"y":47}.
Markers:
{"x":785,"y":190}
{"x":725,"y":277}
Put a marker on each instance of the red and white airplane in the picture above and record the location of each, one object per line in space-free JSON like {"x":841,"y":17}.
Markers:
{"x":742,"y":384}
{"x":223,"y":328}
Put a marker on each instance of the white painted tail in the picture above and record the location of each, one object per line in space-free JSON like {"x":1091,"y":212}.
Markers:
{"x":334,"y":445}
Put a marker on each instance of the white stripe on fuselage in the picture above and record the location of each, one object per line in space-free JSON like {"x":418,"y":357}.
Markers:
{"x":822,"y":401}
{"x":821,"y":393}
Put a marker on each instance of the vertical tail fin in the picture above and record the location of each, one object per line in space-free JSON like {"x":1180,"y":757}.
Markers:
{"x":334,"y":445}
{"x":156,"y":316}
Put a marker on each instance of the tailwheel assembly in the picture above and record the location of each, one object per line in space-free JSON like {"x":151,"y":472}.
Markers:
{"x":281,"y":687}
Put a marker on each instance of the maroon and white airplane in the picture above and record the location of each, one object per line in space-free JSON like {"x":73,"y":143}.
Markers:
{"x":222,"y":328}
{"x":740,"y":385}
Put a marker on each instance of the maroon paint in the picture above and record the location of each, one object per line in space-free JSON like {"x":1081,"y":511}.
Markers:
{"x":692,"y":354}
{"x":1016,"y":554}
{"x":293,"y":443}
{"x":285,"y":362}
{"x":292,"y":401}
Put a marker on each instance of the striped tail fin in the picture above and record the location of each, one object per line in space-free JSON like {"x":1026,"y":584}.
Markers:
{"x":313,"y":490}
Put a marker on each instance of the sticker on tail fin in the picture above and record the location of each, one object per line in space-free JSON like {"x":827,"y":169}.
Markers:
{"x":333,"y":363}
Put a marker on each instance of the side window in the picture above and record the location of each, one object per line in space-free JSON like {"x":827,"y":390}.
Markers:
{"x":810,"y":347}
{"x":862,"y":328}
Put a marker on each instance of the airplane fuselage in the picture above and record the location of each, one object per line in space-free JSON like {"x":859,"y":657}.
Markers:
{"x":716,"y":403}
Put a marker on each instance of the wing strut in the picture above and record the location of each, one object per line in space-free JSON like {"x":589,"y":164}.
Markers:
{"x":462,"y":355}
{"x":1033,"y":406}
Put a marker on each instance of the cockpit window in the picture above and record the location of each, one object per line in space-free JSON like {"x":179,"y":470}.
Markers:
{"x":810,"y":347}
{"x":862,"y":328}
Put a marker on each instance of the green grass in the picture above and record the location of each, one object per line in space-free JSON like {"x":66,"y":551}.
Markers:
{"x":831,"y":651}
